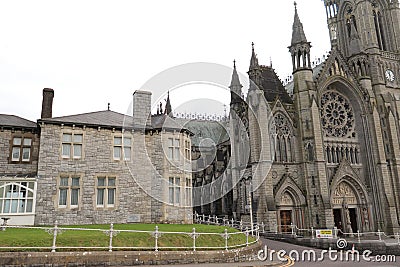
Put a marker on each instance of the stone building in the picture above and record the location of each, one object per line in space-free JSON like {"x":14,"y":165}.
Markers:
{"x":98,"y":167}
{"x":19,"y":146}
{"x":104,"y":167}
{"x":334,"y":140}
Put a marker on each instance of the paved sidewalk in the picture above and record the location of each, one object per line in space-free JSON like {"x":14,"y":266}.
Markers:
{"x":233,"y":264}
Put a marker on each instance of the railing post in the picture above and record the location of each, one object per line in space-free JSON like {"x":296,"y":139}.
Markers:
{"x":293,"y":230}
{"x":380,"y":235}
{"x":111,"y":237}
{"x":263,"y":227}
{"x":276,"y":229}
{"x":226,"y":239}
{"x":358,"y":236}
{"x":194,"y":235}
{"x":232,"y":222}
{"x":55,"y":230}
{"x":241,"y":225}
{"x":204,"y":218}
{"x":398,"y":239}
{"x":156,"y":234}
{"x":247,"y":236}
{"x":335,"y":232}
{"x":312,"y":232}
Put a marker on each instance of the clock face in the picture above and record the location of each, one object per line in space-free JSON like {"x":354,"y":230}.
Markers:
{"x":389,"y":75}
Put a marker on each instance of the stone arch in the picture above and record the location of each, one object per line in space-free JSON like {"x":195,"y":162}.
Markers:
{"x":290,"y":203}
{"x":351,"y":209}
{"x":283,"y":138}
{"x":354,"y":184}
{"x":295,"y":194}
{"x":356,"y":95}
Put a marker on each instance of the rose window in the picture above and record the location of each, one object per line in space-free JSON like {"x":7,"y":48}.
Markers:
{"x":336,"y":115}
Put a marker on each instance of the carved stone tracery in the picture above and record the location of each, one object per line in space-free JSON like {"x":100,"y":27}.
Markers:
{"x":337,"y":115}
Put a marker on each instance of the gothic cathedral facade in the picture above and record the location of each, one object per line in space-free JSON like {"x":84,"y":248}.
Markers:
{"x":327,"y":153}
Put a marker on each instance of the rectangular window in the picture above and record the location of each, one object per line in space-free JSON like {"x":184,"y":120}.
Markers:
{"x":122,"y":148}
{"x":106,"y":187}
{"x":71,"y":146}
{"x":188,"y":191}
{"x":21,"y":149}
{"x":174,"y":193}
{"x":69,"y":191}
{"x":187,"y":150}
{"x":173,"y":149}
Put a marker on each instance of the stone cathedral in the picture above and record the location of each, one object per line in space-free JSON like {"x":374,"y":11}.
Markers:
{"x":334,"y":143}
{"x":320,"y":151}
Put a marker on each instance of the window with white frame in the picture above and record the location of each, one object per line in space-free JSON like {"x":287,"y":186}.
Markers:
{"x":68,"y":191}
{"x":173,"y":149}
{"x":106,"y":189}
{"x":174,"y":190}
{"x":187,"y":150}
{"x":72,"y":145}
{"x":21,"y":149}
{"x":188,"y":191}
{"x":122,"y":148}
{"x":17,"y":197}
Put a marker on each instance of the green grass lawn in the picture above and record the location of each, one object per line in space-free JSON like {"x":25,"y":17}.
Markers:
{"x":14,"y":237}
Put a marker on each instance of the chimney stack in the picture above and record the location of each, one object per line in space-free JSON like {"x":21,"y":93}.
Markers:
{"x":141,"y":108}
{"x":47,"y":103}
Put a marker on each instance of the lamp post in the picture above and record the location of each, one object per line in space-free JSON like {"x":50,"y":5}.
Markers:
{"x":251,"y":208}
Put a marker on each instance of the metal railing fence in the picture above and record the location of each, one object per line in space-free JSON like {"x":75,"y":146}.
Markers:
{"x":251,"y":234}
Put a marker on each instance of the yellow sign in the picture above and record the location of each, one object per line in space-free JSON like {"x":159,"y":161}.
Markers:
{"x":324,"y":233}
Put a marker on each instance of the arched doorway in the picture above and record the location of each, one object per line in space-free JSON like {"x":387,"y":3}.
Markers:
{"x":350,"y":212}
{"x":289,"y":211}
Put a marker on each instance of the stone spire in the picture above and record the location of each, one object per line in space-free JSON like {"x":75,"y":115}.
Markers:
{"x":254,"y":69}
{"x":298,"y":35}
{"x":168,"y":108}
{"x":254,"y":59}
{"x":236,"y":86}
{"x":299,"y":48}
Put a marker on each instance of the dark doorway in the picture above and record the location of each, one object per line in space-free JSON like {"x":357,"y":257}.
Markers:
{"x":286,"y":221}
{"x":353,"y":219}
{"x":337,"y":217}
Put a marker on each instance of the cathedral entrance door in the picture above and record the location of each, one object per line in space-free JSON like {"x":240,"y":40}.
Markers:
{"x":286,"y":221}
{"x":353,"y":219}
{"x":337,"y":217}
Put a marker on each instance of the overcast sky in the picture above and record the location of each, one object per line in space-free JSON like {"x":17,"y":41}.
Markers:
{"x":95,"y":52}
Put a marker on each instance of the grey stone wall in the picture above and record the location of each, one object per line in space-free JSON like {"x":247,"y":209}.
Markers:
{"x":136,"y":179}
{"x":12,"y":168}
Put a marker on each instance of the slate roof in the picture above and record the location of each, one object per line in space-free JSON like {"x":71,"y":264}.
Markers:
{"x":273,"y":87}
{"x":108,"y":118}
{"x":15,"y":121}
{"x":97,"y":118}
{"x":215,"y":130}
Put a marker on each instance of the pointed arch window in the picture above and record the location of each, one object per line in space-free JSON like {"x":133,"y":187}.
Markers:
{"x":283,"y":139}
{"x":379,"y":30}
{"x":351,"y":20}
